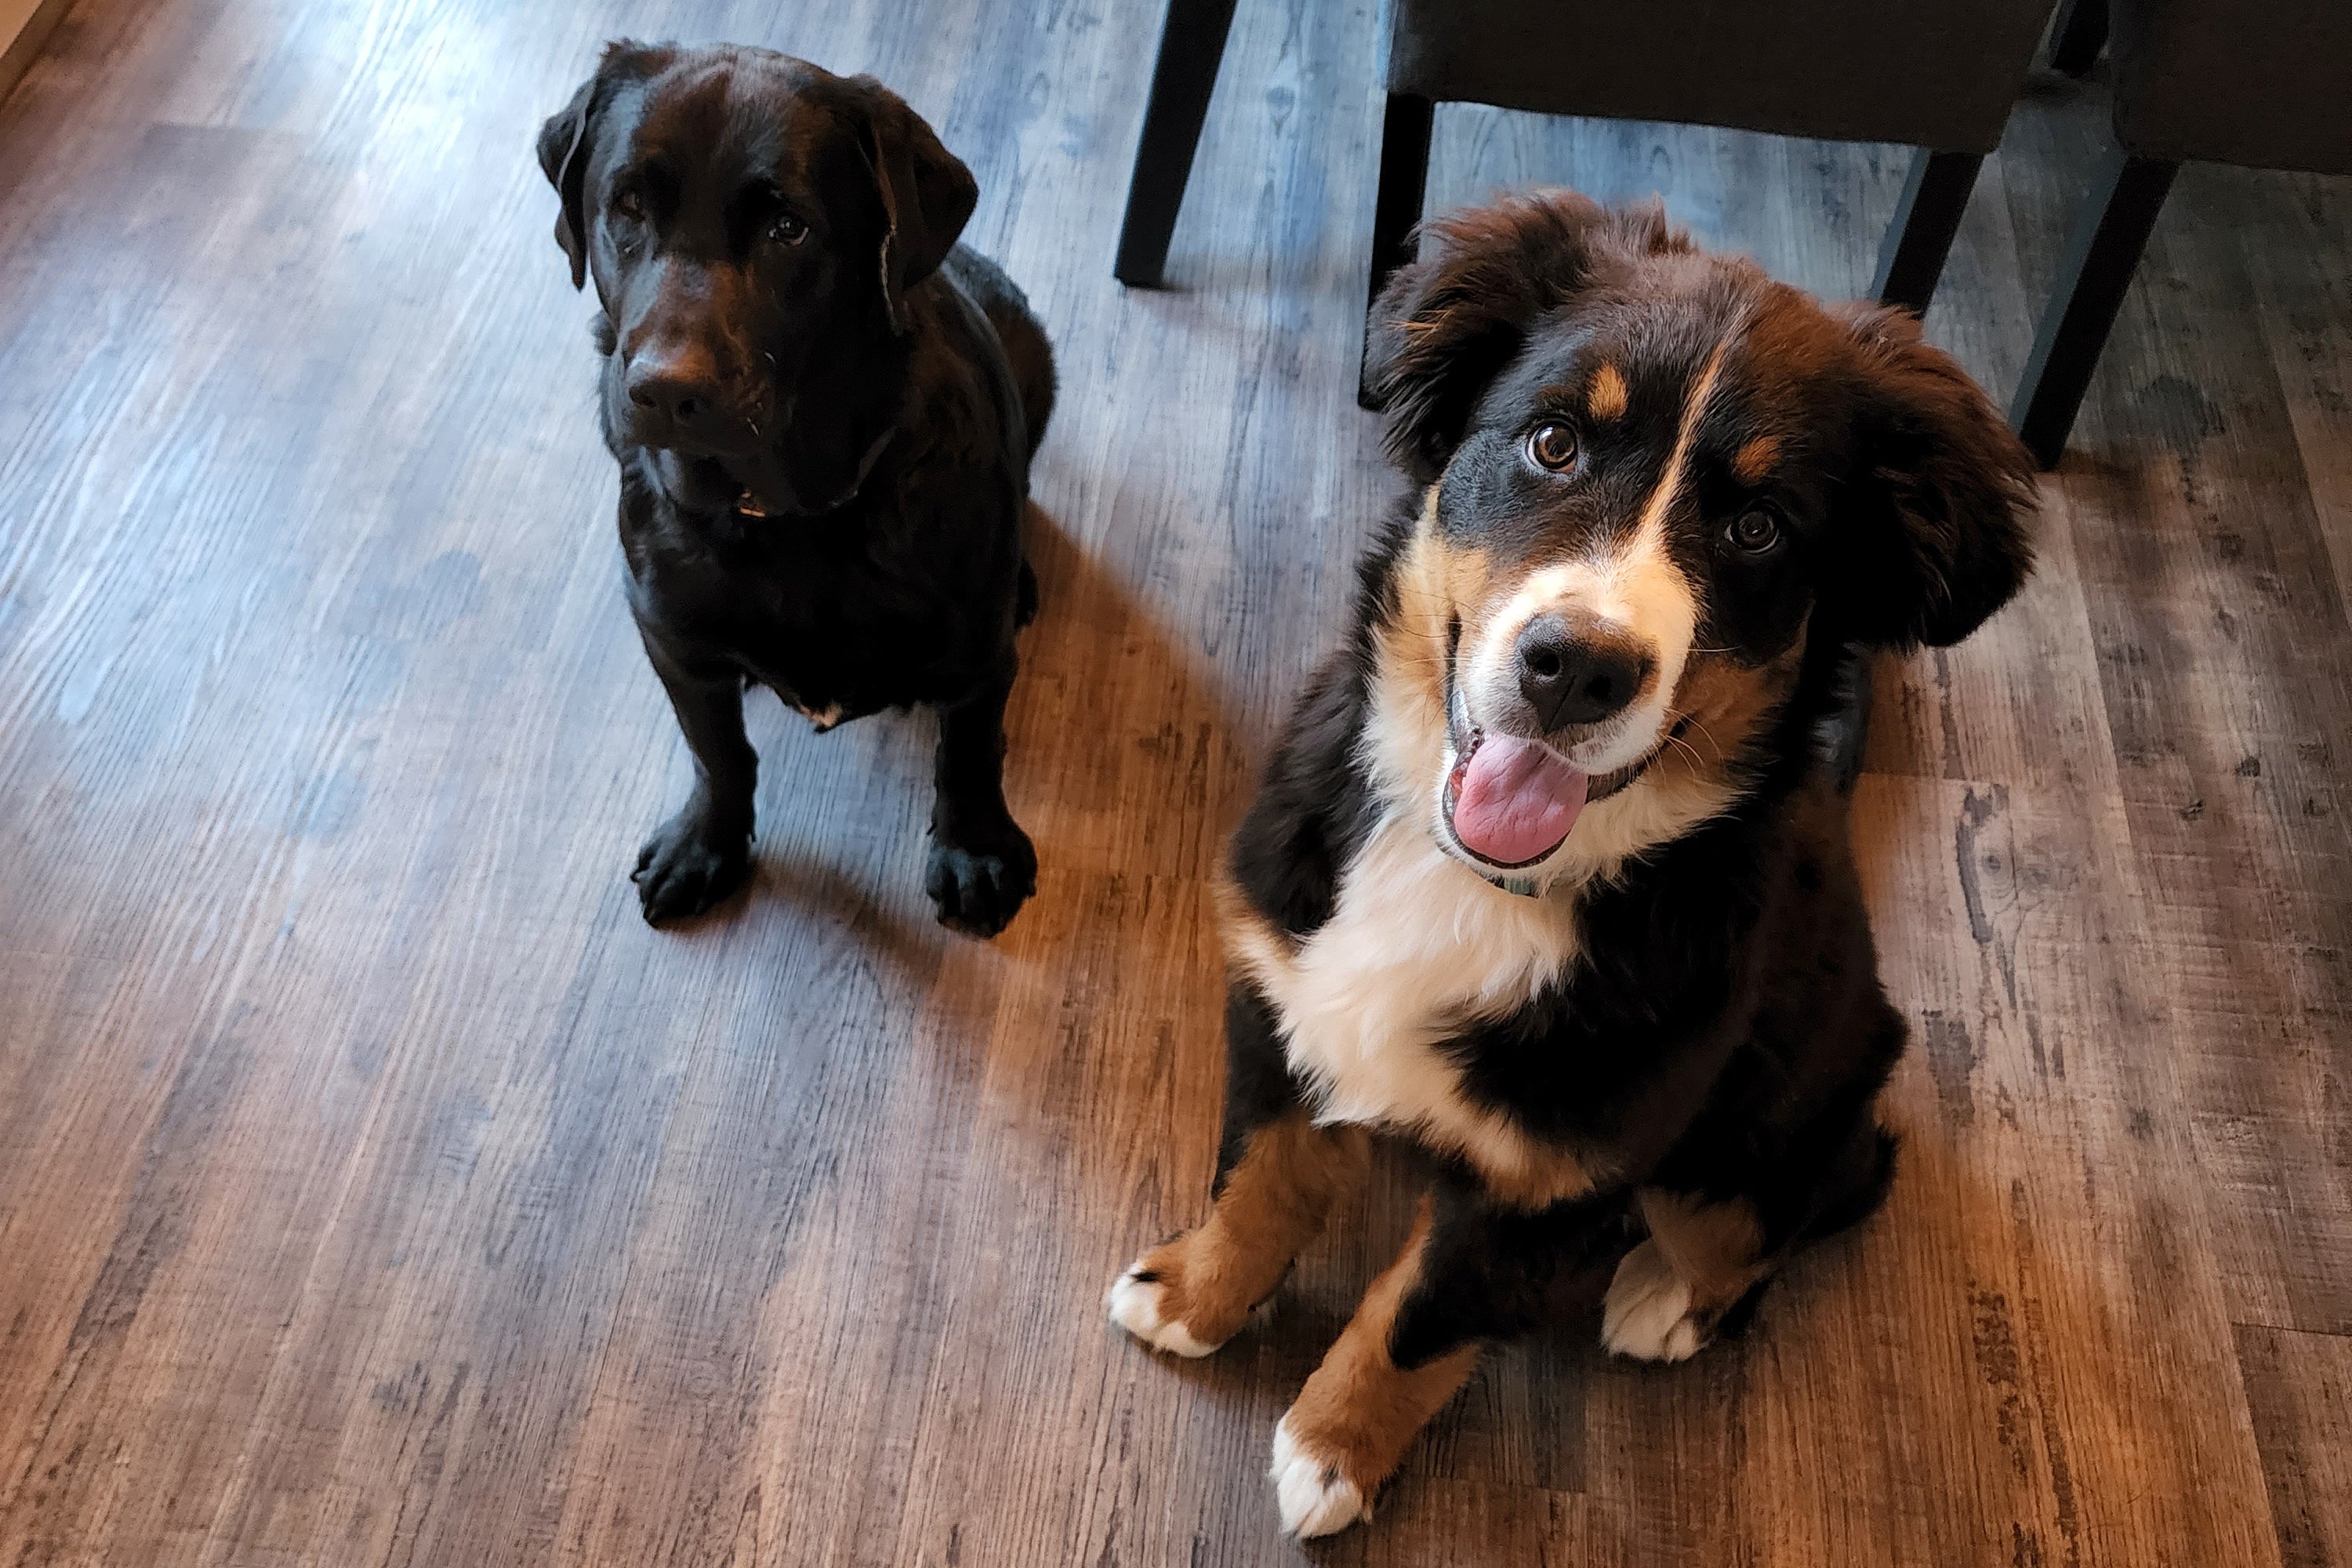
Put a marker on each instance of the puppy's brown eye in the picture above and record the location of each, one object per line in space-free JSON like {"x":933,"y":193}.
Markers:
{"x":630,"y":205}
{"x":1756,"y":530}
{"x":786,"y":228}
{"x":1552,"y":445}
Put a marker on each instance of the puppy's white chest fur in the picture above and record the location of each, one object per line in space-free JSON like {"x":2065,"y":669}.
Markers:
{"x":1417,"y":946}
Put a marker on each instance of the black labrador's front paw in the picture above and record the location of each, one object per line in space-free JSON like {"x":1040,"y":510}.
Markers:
{"x":980,"y":877}
{"x":689,"y":866}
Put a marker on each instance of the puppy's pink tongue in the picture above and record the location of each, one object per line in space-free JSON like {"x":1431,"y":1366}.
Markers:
{"x":1515,"y":801}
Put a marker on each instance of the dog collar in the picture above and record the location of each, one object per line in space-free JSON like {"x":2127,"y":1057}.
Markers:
{"x":747,"y":507}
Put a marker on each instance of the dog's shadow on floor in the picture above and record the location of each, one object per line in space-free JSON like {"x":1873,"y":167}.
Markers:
{"x":1122,"y":767}
{"x":1118,"y":764}
{"x":809,"y":866}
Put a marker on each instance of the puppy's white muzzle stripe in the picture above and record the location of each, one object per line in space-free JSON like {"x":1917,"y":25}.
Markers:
{"x":1635,"y":585}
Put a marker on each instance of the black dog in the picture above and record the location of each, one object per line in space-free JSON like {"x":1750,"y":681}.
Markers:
{"x":823,"y":409}
{"x":1549,"y":873}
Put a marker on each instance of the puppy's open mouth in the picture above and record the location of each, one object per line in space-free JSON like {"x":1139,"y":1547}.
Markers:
{"x":1512,"y":802}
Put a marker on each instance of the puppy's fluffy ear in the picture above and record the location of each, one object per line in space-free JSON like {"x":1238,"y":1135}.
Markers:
{"x":927,"y":194}
{"x":1932,"y":522}
{"x":1448,"y":322}
{"x":568,"y":137}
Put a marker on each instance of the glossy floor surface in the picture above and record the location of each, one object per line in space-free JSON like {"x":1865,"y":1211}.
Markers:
{"x":376,"y":1189}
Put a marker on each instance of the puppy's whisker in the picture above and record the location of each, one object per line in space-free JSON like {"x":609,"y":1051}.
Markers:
{"x":1674,"y":720}
{"x":1700,"y":726}
{"x":1697,"y":761}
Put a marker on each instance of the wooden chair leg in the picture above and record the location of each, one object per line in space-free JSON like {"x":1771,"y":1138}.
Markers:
{"x":2078,"y":35}
{"x":1405,"y":180}
{"x":2125,"y":199}
{"x":1926,"y":221}
{"x":1191,"y":43}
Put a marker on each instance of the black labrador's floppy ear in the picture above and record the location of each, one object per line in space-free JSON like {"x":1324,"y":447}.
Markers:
{"x":1932,"y":537}
{"x":927,"y":194}
{"x":1449,"y":321}
{"x":568,"y":137}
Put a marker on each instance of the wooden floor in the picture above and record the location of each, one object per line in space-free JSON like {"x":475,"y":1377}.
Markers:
{"x":376,"y":1189}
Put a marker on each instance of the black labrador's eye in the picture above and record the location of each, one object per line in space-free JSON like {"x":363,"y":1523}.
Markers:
{"x":787,"y":229}
{"x":629,"y":206}
{"x":1755,"y":530}
{"x":1552,"y":445}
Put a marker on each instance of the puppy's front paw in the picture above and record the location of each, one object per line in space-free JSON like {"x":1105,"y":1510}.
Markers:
{"x":1648,"y":1313}
{"x":979,"y":879}
{"x":686,"y":868}
{"x":1316,"y":1495}
{"x":1138,"y":1302}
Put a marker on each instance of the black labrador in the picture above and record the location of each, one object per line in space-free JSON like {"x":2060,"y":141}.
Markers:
{"x":823,"y":410}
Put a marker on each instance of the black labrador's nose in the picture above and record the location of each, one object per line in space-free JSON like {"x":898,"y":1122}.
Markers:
{"x":675,"y":390}
{"x":1578,"y":674}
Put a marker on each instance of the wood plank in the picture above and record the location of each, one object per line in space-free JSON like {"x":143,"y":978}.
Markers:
{"x":2299,"y":1389}
{"x":2307,"y":328}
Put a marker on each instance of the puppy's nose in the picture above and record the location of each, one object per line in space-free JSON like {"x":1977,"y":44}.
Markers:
{"x":1578,"y":674}
{"x":677,"y":387}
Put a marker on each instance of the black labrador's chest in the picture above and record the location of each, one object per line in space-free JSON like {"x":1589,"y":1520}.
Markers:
{"x":840,"y":616}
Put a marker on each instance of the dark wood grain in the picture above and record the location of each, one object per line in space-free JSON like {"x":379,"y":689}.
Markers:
{"x":375,"y":1188}
{"x":2299,"y":1392}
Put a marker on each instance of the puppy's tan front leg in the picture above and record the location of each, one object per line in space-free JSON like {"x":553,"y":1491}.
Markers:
{"x":1360,"y":1410}
{"x":1277,"y":1176}
{"x":1194,"y":1293}
{"x":1476,"y":1271}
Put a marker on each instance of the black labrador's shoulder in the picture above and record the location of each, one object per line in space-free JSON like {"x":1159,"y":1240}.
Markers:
{"x":1028,"y":355}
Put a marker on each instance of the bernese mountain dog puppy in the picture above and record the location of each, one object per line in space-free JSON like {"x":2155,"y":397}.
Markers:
{"x":1548,"y":875}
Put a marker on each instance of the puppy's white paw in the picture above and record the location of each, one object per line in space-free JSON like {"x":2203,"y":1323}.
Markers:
{"x":1315,"y":1497}
{"x":1648,"y":1313}
{"x":1135,"y":1304}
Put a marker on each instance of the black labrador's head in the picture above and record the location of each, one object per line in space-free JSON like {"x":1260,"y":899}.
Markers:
{"x":1655,"y":473}
{"x":753,"y":224}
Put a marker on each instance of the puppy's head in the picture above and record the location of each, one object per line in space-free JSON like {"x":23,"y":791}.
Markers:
{"x":753,"y":225}
{"x":1653,"y":475}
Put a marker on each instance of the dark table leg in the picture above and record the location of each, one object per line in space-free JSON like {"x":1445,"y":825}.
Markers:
{"x":1405,"y":180}
{"x":2078,"y":35}
{"x":2114,"y":229}
{"x":1925,"y":223}
{"x":1191,"y":42}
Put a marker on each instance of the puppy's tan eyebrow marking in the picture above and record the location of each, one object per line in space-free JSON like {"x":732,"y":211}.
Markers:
{"x":1605,"y":399}
{"x":1662,"y":498}
{"x":1755,"y":459}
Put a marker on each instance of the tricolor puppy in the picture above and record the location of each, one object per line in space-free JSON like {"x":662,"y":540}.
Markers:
{"x":1548,"y":874}
{"x":823,"y":410}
